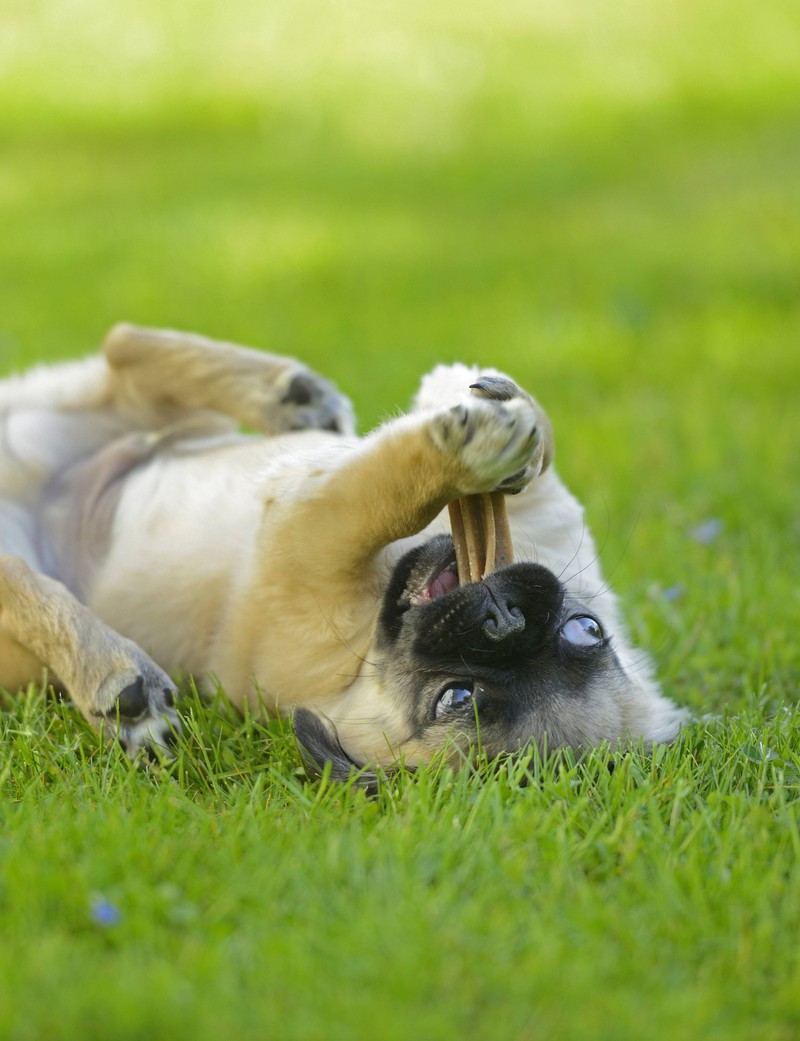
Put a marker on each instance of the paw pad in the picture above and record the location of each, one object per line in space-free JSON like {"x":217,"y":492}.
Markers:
{"x":312,"y":403}
{"x":300,"y":392}
{"x":132,"y":701}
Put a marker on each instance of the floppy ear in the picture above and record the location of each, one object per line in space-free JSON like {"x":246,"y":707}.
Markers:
{"x":319,"y":746}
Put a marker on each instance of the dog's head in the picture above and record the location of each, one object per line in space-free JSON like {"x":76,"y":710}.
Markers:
{"x":496,"y":664}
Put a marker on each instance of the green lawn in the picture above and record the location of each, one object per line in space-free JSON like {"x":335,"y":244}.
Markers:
{"x":602,"y":199}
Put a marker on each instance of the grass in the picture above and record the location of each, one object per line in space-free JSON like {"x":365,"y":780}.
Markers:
{"x":530,"y":899}
{"x":602,"y":201}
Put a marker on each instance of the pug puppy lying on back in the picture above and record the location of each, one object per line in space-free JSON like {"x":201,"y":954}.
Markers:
{"x":144,"y":534}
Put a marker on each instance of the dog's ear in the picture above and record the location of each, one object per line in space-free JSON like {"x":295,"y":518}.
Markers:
{"x":320,"y":745}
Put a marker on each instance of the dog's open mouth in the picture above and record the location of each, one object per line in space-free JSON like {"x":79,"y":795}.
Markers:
{"x":481,"y":543}
{"x":441,"y":580}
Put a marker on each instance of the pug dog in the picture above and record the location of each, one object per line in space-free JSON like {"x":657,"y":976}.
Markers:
{"x":177,"y":505}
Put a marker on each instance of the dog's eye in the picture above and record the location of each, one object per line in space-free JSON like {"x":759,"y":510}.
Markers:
{"x":582,"y":631}
{"x":453,"y":698}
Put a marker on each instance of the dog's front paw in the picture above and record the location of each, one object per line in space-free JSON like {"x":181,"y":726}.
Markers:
{"x":496,"y":387}
{"x":139,"y":707}
{"x":310,"y":402}
{"x":495,"y":441}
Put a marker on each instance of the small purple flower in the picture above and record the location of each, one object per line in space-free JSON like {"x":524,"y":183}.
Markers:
{"x":104,"y":913}
{"x":706,"y":532}
{"x":674,"y":592}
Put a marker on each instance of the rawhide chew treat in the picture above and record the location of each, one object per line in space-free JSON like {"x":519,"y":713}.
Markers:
{"x":481,"y":535}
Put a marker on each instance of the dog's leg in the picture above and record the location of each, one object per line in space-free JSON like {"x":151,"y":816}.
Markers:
{"x":109,"y":678}
{"x":403,"y":475}
{"x":266,"y":392}
{"x":320,"y":560}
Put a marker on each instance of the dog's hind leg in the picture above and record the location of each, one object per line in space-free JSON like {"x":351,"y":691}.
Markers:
{"x":110,"y":679}
{"x":265,"y":392}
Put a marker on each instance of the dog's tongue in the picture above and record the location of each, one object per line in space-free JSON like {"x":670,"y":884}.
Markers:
{"x":481,"y":535}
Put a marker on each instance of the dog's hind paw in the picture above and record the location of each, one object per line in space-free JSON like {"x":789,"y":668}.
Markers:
{"x":142,"y":712}
{"x":310,"y":402}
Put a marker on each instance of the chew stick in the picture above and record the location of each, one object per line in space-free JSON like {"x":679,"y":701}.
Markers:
{"x":481,"y":535}
{"x":486,"y":506}
{"x":459,"y":540}
{"x":504,"y":547}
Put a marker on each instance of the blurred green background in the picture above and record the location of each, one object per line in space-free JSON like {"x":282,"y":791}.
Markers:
{"x":602,"y":198}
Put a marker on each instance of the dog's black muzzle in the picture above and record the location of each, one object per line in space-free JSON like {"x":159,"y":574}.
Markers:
{"x":505,"y":617}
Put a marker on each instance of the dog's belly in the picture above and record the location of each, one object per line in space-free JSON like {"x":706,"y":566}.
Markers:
{"x":183,"y":541}
{"x":182,"y":528}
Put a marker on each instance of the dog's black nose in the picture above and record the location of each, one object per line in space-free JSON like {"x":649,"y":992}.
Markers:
{"x":502,"y":618}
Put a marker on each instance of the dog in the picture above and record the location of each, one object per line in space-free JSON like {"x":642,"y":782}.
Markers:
{"x":177,"y":505}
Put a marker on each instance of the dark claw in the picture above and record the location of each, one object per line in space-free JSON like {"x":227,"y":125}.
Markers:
{"x":132,"y":701}
{"x":513,"y":485}
{"x":498,"y":388}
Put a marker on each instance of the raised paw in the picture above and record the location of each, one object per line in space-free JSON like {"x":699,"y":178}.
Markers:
{"x":495,"y":441}
{"x":496,"y":387}
{"x":141,"y":710}
{"x":309,"y":402}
